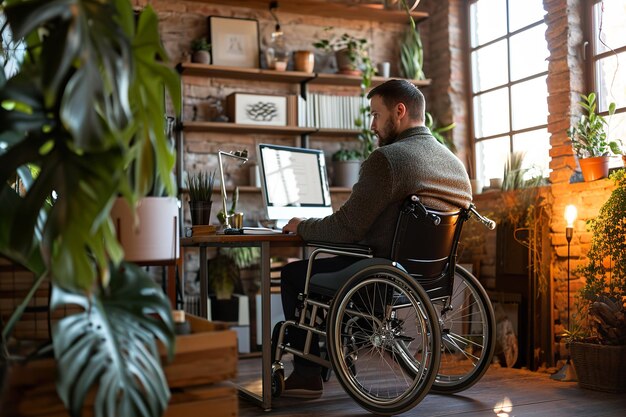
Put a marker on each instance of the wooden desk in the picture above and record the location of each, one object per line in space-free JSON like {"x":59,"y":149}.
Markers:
{"x":265,"y":242}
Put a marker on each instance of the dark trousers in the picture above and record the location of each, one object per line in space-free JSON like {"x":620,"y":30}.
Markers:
{"x":292,"y":280}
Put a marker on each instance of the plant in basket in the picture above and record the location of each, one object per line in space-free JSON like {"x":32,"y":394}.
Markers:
{"x":600,"y":333}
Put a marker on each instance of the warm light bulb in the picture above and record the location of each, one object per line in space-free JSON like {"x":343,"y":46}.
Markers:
{"x":570,"y":215}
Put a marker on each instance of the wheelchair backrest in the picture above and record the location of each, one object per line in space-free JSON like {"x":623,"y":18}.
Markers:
{"x":426,"y":241}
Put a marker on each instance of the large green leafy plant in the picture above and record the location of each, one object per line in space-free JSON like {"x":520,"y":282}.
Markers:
{"x":603,"y":296}
{"x":81,"y":111}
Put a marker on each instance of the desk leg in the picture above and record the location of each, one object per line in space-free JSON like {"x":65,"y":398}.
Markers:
{"x":204,"y":283}
{"x":266,"y":322}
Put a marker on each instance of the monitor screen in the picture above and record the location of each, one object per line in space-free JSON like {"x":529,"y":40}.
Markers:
{"x":293,"y":182}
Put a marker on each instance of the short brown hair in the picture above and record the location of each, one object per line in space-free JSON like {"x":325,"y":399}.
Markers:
{"x":401,"y":91}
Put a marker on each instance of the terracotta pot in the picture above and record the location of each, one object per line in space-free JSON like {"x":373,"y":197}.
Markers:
{"x":304,"y":61}
{"x":594,"y":168}
{"x":624,"y":160}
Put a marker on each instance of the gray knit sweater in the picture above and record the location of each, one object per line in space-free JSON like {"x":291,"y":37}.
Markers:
{"x":414,"y":163}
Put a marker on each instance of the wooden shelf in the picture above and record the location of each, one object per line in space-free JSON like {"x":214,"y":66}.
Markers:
{"x":236,"y":73}
{"x":324,"y":8}
{"x":355,"y":80}
{"x":222,"y":127}
{"x":292,"y":77}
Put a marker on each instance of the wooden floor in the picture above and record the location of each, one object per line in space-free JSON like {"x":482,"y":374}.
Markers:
{"x":529,"y":394}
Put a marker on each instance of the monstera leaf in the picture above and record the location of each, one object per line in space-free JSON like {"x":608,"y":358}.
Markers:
{"x":112,"y":344}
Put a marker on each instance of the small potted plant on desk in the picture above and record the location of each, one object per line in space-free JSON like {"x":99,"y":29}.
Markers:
{"x":200,"y":186}
{"x":590,"y":142}
{"x":598,"y":341}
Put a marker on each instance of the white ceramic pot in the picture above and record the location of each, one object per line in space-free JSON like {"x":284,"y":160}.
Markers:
{"x":153,"y":234}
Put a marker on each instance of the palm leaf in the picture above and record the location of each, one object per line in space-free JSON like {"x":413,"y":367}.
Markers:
{"x":112,"y":343}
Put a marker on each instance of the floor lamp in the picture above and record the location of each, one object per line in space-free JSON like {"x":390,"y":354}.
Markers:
{"x":567,"y":372}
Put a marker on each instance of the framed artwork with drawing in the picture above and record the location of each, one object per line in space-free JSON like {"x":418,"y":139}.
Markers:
{"x":234,"y":41}
{"x":257,"y":109}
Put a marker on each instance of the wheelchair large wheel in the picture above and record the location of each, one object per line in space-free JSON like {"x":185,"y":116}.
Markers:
{"x":379,"y":319}
{"x":468,"y":335}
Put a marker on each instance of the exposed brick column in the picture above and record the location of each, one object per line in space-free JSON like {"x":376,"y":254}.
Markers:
{"x":565,"y":81}
{"x":446,"y":61}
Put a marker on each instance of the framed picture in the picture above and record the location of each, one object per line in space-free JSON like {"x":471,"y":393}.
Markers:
{"x":257,"y":109}
{"x":234,"y":42}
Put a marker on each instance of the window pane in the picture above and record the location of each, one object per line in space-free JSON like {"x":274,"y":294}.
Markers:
{"x":491,"y":113}
{"x":617,"y":128}
{"x":490,"y":66}
{"x":529,"y":106}
{"x":611,"y":81}
{"x":524,"y":12}
{"x":612,"y":21}
{"x":529,"y":52}
{"x":536,"y":148}
{"x":488,"y":21}
{"x":490,"y":158}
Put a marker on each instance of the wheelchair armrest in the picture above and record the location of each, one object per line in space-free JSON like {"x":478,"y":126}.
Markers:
{"x":347,"y":247}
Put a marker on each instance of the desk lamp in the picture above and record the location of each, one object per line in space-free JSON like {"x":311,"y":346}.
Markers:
{"x":241,"y":156}
{"x":566,"y":373}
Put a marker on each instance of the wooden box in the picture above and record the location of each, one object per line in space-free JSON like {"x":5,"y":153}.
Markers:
{"x":203,"y":362}
{"x":205,"y":356}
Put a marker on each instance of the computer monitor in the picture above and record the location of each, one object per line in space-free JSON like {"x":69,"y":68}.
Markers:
{"x":293,"y":183}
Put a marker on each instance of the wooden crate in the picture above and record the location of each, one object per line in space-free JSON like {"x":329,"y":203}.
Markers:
{"x":207,"y":355}
{"x":203,"y":361}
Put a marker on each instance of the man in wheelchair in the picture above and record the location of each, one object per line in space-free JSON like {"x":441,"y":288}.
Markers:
{"x":408,"y":161}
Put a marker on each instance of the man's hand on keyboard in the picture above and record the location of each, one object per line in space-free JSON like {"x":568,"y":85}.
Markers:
{"x":292,"y":225}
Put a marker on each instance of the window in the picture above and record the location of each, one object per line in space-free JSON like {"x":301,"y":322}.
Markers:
{"x":508,"y":53}
{"x":606,"y":52}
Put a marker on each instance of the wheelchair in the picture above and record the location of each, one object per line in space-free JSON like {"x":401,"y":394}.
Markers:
{"x":393,"y":330}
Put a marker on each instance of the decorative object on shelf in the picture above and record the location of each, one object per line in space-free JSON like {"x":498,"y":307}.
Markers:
{"x":257,"y":109}
{"x":304,"y":61}
{"x":200,"y":186}
{"x":383,"y":69}
{"x":234,"y":42}
{"x":567,"y":373}
{"x":346,"y":166}
{"x":590,"y":141}
{"x":277,"y":54}
{"x":598,"y":337}
{"x":201,"y":49}
{"x":216,"y":110}
{"x":351,"y":52}
{"x":64,"y":125}
{"x":242,"y":156}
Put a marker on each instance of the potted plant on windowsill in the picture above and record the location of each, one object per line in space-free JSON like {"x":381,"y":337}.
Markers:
{"x":598,"y":341}
{"x":590,"y":141}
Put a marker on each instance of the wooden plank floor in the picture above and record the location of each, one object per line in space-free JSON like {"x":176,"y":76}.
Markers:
{"x":531,"y":394}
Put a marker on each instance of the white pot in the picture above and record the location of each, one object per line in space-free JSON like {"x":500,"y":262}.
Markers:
{"x":153,"y":235}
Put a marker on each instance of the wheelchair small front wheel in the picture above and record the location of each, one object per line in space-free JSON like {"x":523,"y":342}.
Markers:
{"x":278,"y":379}
{"x":379,"y":321}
